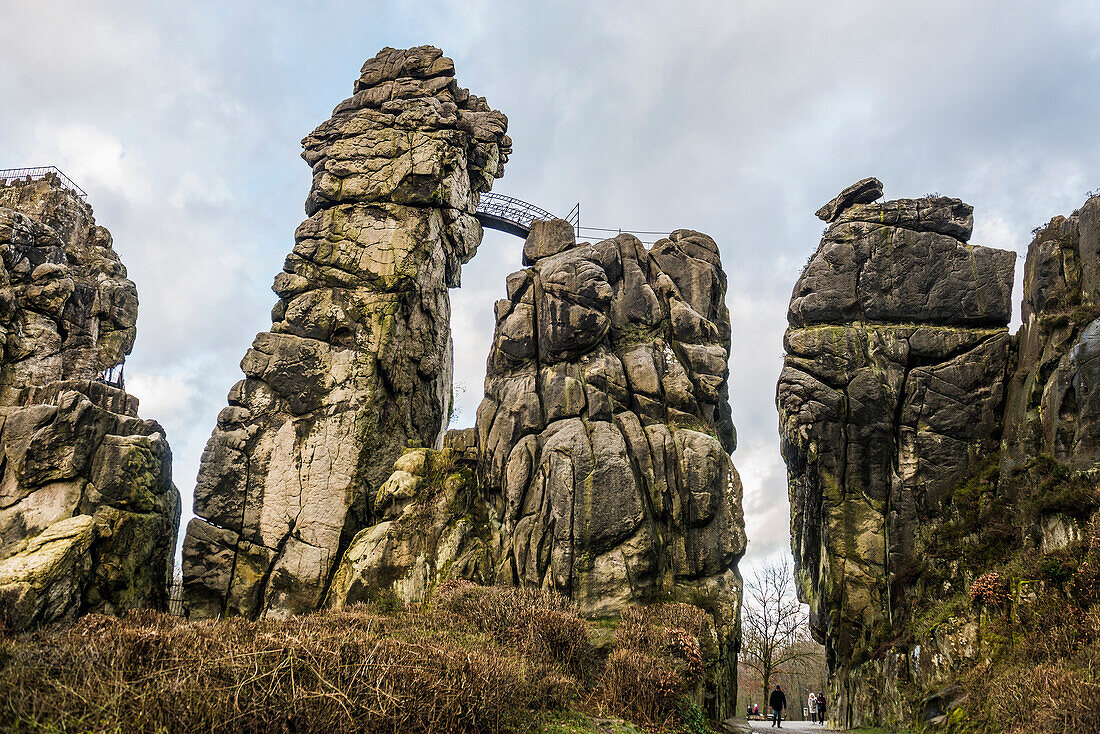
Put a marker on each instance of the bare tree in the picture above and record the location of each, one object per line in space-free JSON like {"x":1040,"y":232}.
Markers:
{"x":775,"y":636}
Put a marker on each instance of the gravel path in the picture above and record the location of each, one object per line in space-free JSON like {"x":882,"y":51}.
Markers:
{"x":794,"y":727}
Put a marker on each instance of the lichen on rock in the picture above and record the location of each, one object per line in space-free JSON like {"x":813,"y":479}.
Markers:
{"x":605,"y":430}
{"x":891,"y":395}
{"x":433,"y":526}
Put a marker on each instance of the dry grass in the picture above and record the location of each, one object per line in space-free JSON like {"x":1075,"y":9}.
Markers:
{"x":657,"y":661}
{"x":479,"y":660}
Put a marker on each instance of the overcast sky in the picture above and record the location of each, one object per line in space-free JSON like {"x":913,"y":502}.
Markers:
{"x":739,"y":119}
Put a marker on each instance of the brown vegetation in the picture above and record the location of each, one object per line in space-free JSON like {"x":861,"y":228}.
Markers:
{"x":1043,"y":671}
{"x":477,"y":660}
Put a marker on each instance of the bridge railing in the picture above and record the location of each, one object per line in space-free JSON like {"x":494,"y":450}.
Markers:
{"x":33,"y":173}
{"x":511,"y":209}
{"x":515,"y":216}
{"x":113,"y":376}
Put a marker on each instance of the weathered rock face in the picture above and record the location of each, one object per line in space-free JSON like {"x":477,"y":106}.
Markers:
{"x":88,"y":512}
{"x":357,"y":363}
{"x":67,"y":309}
{"x":891,"y":396}
{"x":1054,"y":405}
{"x":605,"y":430}
{"x":435,"y":524}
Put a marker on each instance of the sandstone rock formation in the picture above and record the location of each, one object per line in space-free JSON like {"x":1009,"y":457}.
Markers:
{"x":435,"y":524}
{"x":88,"y":512}
{"x":68,"y":310}
{"x":357,"y":363}
{"x":891,"y":396}
{"x":1054,"y":405}
{"x":602,"y":448}
{"x":605,"y":430}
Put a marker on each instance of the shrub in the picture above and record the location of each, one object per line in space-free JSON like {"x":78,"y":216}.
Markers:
{"x":342,"y":671}
{"x":657,"y":660}
{"x":540,"y":623}
{"x":478,"y":659}
{"x":989,"y":590}
{"x":641,"y":686}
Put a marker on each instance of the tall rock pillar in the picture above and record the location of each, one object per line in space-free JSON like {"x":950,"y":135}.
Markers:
{"x":1054,"y":395}
{"x":605,"y":430}
{"x":357,"y":363}
{"x":890,"y":396}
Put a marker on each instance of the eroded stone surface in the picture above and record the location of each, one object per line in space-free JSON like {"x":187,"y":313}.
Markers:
{"x":891,"y":395}
{"x":357,"y":363}
{"x":88,"y":512}
{"x":1054,"y":408}
{"x":605,"y":430}
{"x":434,"y":525}
{"x":67,"y":309}
{"x":904,"y":261}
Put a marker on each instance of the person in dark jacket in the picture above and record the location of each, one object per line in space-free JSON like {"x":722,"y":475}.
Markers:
{"x":778,"y":702}
{"x":821,"y":708}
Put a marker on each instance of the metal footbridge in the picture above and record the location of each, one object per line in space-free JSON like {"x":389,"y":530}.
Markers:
{"x":515,"y":216}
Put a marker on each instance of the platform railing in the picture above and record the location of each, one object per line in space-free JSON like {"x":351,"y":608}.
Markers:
{"x":34,"y":173}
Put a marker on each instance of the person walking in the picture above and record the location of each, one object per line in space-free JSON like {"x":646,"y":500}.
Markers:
{"x":821,"y":709}
{"x":811,"y":704}
{"x":778,"y":702}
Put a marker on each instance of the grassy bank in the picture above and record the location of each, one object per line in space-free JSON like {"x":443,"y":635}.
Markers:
{"x":478,"y":660}
{"x":1035,"y":610}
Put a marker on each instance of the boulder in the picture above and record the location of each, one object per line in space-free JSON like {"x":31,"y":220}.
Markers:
{"x":434,"y":525}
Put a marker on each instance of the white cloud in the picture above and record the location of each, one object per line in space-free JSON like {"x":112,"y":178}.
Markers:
{"x":160,"y":394}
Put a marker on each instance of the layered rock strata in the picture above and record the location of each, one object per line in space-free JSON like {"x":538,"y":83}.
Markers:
{"x":605,"y":430}
{"x":891,"y":396}
{"x":357,"y":363}
{"x":88,"y":512}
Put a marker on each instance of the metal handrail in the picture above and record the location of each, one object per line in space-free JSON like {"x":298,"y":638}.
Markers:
{"x":34,"y":173}
{"x":510,"y":209}
{"x":113,"y":376}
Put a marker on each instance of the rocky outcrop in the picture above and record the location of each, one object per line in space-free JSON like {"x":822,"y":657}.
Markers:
{"x":67,"y":309}
{"x":1054,"y":404}
{"x":601,"y":448}
{"x":605,"y":430}
{"x":88,"y":512}
{"x":435,"y":524}
{"x":357,"y":364}
{"x":891,"y":396}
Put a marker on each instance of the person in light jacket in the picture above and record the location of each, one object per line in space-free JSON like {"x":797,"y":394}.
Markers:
{"x":811,"y":704}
